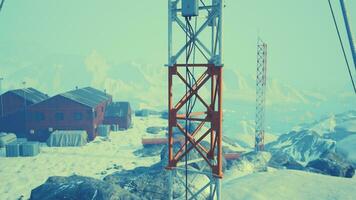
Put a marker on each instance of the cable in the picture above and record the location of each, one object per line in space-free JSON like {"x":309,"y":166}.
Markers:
{"x":190,"y":33}
{"x":187,"y":49}
{"x":2,"y":3}
{"x":342,"y":46}
{"x":349,"y":32}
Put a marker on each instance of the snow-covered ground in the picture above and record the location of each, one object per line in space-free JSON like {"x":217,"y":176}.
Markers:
{"x":18,"y":176}
{"x":289,"y":184}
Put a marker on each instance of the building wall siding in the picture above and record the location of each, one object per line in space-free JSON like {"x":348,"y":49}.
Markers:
{"x":11,"y":103}
{"x":13,"y":115}
{"x":59,"y":104}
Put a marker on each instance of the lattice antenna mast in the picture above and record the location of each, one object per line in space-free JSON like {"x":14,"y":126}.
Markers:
{"x":261,"y":77}
{"x":199,"y":24}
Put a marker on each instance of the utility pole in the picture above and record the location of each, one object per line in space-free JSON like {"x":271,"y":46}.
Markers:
{"x":25,"y":103}
{"x":261,"y":77}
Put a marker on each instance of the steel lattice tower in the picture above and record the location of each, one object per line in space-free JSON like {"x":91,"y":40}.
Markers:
{"x":260,"y":94}
{"x":206,"y":74}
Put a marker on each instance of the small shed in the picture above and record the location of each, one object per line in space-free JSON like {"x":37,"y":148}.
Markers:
{"x":65,"y":138}
{"x":118,"y":113}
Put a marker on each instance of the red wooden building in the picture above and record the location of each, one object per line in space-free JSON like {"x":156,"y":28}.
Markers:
{"x":118,"y":113}
{"x":80,"y":109}
{"x":13,"y":108}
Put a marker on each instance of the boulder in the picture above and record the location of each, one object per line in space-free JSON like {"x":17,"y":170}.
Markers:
{"x":151,"y":182}
{"x":142,"y":113}
{"x":331,"y":164}
{"x":155,"y":129}
{"x":164,"y":115}
{"x":281,"y":160}
{"x":79,"y":188}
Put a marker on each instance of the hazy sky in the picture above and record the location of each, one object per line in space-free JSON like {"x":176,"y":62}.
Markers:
{"x":303,"y":47}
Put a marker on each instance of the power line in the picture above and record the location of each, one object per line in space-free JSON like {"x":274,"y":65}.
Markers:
{"x":2,"y":3}
{"x":342,"y":46}
{"x":348,"y":31}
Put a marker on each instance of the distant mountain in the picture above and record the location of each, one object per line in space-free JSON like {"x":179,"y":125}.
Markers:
{"x":335,"y":126}
{"x":133,"y":81}
{"x":145,"y":86}
{"x":303,"y":146}
{"x":242,"y":87}
{"x":308,"y":141}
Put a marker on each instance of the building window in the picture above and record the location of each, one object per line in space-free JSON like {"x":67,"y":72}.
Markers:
{"x":59,"y":116}
{"x":78,"y":116}
{"x":95,"y":114}
{"x":89,"y":115}
{"x":39,"y":116}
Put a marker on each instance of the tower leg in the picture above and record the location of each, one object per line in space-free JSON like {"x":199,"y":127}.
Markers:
{"x":218,"y":189}
{"x":170,"y":184}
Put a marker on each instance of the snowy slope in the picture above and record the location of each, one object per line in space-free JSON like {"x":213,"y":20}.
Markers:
{"x":97,"y":159}
{"x":288,"y":184}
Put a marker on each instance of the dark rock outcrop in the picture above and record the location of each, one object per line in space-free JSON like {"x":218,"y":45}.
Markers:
{"x":331,"y":164}
{"x":79,"y":188}
{"x":151,"y":182}
{"x":282,"y":160}
{"x":149,"y":150}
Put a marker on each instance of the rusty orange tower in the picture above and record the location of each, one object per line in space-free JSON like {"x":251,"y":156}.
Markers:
{"x":199,"y":71}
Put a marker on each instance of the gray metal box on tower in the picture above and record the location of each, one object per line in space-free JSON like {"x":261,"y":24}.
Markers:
{"x":190,"y":8}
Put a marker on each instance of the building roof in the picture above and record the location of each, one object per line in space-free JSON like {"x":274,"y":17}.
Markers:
{"x":87,"y":96}
{"x":30,"y":94}
{"x":117,"y":109}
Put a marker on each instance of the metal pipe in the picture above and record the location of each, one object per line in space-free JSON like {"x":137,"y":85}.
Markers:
{"x":170,"y":184}
{"x":218,"y":189}
{"x":348,"y":30}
